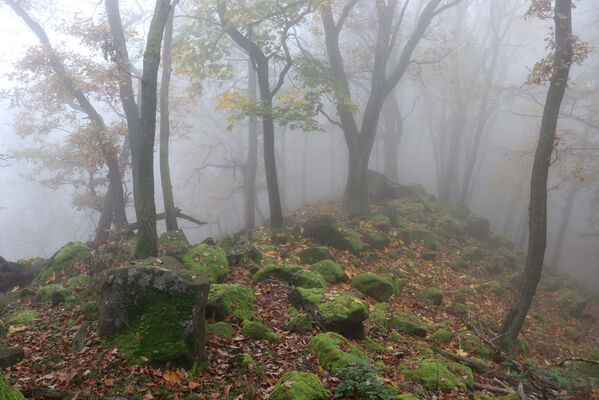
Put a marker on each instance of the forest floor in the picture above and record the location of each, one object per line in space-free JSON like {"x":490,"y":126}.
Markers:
{"x":556,"y":330}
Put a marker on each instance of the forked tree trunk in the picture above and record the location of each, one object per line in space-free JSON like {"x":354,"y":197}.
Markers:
{"x":537,"y":224}
{"x":165,"y":174}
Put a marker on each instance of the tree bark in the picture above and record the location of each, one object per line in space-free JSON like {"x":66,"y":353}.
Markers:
{"x":251,"y":165}
{"x":537,"y":225}
{"x":392,"y":135}
{"x":165,"y":174}
{"x":142,"y":156}
{"x":563,"y":226}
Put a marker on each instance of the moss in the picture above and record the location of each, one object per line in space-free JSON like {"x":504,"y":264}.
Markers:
{"x":474,"y":253}
{"x":7,"y":392}
{"x":395,"y":336}
{"x":234,"y":300}
{"x":157,"y":327}
{"x":420,"y":235}
{"x":246,"y":360}
{"x":413,"y":213}
{"x":209,"y":260}
{"x":433,"y":295}
{"x":409,"y":324}
{"x":572,"y":333}
{"x":90,"y":309}
{"x":380,"y":222}
{"x":330,"y":271}
{"x":501,"y":260}
{"x":334,"y":351}
{"x":379,"y":317}
{"x":438,"y":374}
{"x":459,"y":265}
{"x":341,"y":312}
{"x":375,"y":347}
{"x":313,"y":255}
{"x":309,"y":279}
{"x":350,"y":240}
{"x":327,"y":230}
{"x":25,"y":317}
{"x":497,"y":289}
{"x":63,"y":261}
{"x":458,"y":211}
{"x":441,"y":336}
{"x":430,"y":255}
{"x":373,"y":285}
{"x":408,"y":396}
{"x":3,"y":329}
{"x":284,"y":273}
{"x":378,"y":240}
{"x":83,"y":280}
{"x":299,"y":322}
{"x":522,"y":345}
{"x":565,"y":297}
{"x":258,"y":331}
{"x":221,"y":329}
{"x":45,"y":292}
{"x":590,"y":369}
{"x":450,"y":227}
{"x":299,"y":386}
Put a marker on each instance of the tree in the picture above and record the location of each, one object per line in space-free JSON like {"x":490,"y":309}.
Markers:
{"x":383,"y":79}
{"x":559,"y":69}
{"x":114,"y":202}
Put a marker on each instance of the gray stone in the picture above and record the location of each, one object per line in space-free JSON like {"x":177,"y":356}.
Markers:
{"x":10,"y":355}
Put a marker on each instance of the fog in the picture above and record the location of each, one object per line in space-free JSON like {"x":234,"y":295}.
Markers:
{"x":468,"y":74}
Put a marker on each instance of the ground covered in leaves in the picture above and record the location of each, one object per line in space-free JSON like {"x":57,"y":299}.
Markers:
{"x":451,"y":282}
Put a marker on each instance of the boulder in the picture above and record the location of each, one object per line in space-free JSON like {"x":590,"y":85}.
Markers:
{"x":154,"y":313}
{"x":256,"y":330}
{"x":175,"y":244}
{"x":377,"y":240}
{"x":299,"y":386}
{"x":432,"y":295}
{"x":63,"y":262}
{"x":459,"y":211}
{"x":478,"y":226}
{"x":474,"y":253}
{"x":330,"y":271}
{"x":221,"y":329}
{"x":299,"y":322}
{"x":326,"y":230}
{"x":381,"y":188}
{"x":7,"y":392}
{"x":10,"y":355}
{"x":209,"y":260}
{"x":336,"y":312}
{"x":312,"y":255}
{"x":438,"y":374}
{"x":373,"y":285}
{"x":225,"y":300}
{"x":17,"y":274}
{"x":334,"y":351}
{"x":284,"y":273}
{"x":380,"y":221}
{"x":409,"y":324}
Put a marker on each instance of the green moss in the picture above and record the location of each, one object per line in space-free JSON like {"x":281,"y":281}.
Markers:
{"x":407,"y":396}
{"x":441,"y":336}
{"x":378,"y":240}
{"x":299,"y":322}
{"x":313,"y":255}
{"x":572,"y":333}
{"x":45,"y":292}
{"x":327,"y":230}
{"x":63,"y":261}
{"x":334,"y":351}
{"x":209,"y":260}
{"x":7,"y":392}
{"x":3,"y":329}
{"x":246,"y":360}
{"x":373,"y":285}
{"x":497,"y":289}
{"x":25,"y":317}
{"x":450,"y":227}
{"x":433,"y":295}
{"x":459,"y":211}
{"x":375,"y":347}
{"x":474,"y":253}
{"x":413,"y":213}
{"x":420,"y":235}
{"x":221,"y":329}
{"x":83,"y":280}
{"x":380,"y":222}
{"x":90,"y":309}
{"x":330,"y":271}
{"x":409,"y":324}
{"x":342,"y":311}
{"x":430,"y":255}
{"x":438,"y":374}
{"x":350,"y":240}
{"x":157,"y":327}
{"x":395,"y":336}
{"x":565,"y":297}
{"x":459,"y":265}
{"x":284,"y":273}
{"x":379,"y":318}
{"x":258,"y":331}
{"x":590,"y":369}
{"x":309,"y":279}
{"x":234,"y":300}
{"x":522,"y":345}
{"x":299,"y":386}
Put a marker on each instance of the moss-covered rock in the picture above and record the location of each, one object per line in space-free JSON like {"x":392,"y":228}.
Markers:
{"x":284,"y":273}
{"x":62,"y":262}
{"x":373,"y":285}
{"x":441,"y":336}
{"x":378,"y":240}
{"x":221,"y":329}
{"x":413,"y":213}
{"x":420,"y":235}
{"x":380,"y":221}
{"x":327,"y":230}
{"x":409,"y":324}
{"x":430,"y":255}
{"x":299,"y":322}
{"x":433,"y":295}
{"x":258,"y":331}
{"x":378,"y":318}
{"x":25,"y":317}
{"x":450,"y":227}
{"x":459,"y":211}
{"x":337,"y":312}
{"x":174,"y":244}
{"x":478,"y":226}
{"x":299,"y":386}
{"x":334,"y":351}
{"x":474,"y":253}
{"x":330,"y":271}
{"x":437,"y":373}
{"x":209,"y":260}
{"x":312,"y":255}
{"x":153,"y":313}
{"x":7,"y":392}
{"x":230,"y":300}
{"x":308,"y":280}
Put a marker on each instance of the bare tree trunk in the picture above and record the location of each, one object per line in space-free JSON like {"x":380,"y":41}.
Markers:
{"x":558,"y":245}
{"x":450,"y":172}
{"x":142,"y":154}
{"x":304,"y":168}
{"x":251,"y":166}
{"x":537,"y":224}
{"x":392,"y":135}
{"x":165,"y":174}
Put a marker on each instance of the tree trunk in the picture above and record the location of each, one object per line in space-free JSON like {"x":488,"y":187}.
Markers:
{"x":563,"y":226}
{"x":355,"y":198}
{"x":392,"y":135}
{"x":270,"y":169}
{"x":537,"y":224}
{"x":304,"y":168}
{"x":450,"y":172}
{"x":165,"y":174}
{"x":142,"y":155}
{"x":251,"y":165}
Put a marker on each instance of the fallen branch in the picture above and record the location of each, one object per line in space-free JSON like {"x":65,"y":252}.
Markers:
{"x":586,"y":360}
{"x":521,"y":392}
{"x":47,"y":393}
{"x":495,"y":389}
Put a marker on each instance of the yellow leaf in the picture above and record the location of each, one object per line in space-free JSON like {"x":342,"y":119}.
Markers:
{"x":461,"y":353}
{"x":51,"y":278}
{"x":357,"y":301}
{"x":14,"y":289}
{"x":16,"y":328}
